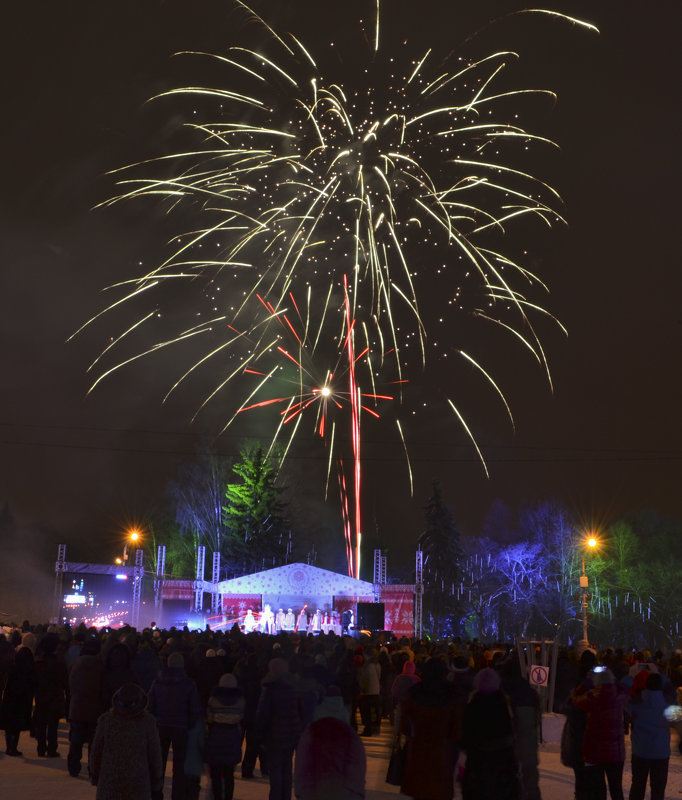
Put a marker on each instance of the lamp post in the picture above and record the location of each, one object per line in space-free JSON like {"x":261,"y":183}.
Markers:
{"x":591,"y":542}
{"x":132,"y":538}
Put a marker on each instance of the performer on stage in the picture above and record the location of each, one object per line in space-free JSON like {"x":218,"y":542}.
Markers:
{"x":267,"y":620}
{"x":289,"y":621}
{"x":249,"y":622}
{"x":316,"y":622}
{"x":280,"y":618}
{"x":348,"y":622}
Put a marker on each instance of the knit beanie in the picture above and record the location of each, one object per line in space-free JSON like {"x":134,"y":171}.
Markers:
{"x":228,"y":681}
{"x":176,"y":661}
{"x":487,"y":681}
{"x":278,"y":666}
{"x":130,"y":699}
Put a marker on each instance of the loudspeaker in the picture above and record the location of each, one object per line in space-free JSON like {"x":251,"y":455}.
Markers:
{"x":370,"y":616}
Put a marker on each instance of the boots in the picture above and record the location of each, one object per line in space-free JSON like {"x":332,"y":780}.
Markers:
{"x":11,"y":742}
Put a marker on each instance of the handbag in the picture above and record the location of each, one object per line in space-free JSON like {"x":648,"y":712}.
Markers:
{"x":567,"y":745}
{"x":396,"y":765}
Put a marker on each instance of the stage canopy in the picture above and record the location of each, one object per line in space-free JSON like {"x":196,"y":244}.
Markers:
{"x":298,"y":580}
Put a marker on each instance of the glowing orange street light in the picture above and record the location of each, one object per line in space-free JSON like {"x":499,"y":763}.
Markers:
{"x":591,"y":543}
{"x":133,"y":536}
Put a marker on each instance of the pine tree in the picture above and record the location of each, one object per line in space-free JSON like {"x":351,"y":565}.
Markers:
{"x":255,"y":514}
{"x":442,"y":559}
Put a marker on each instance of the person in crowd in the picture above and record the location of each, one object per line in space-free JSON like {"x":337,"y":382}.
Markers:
{"x":346,"y":678}
{"x":17,"y":698}
{"x":650,"y":739}
{"x":574,"y":733}
{"x":117,"y":671}
{"x":224,"y":715}
{"x":388,"y":675}
{"x":174,"y":701}
{"x":527,"y":720}
{"x":399,"y":689}
{"x":52,"y":683}
{"x":278,"y":725}
{"x":369,"y":678}
{"x":331,"y":705}
{"x":209,"y":671}
{"x":145,"y":662}
{"x":125,"y":755}
{"x":85,"y":705}
{"x":603,"y":748}
{"x":431,"y":719}
{"x":491,"y":765}
{"x":249,"y":676}
{"x":330,"y":762}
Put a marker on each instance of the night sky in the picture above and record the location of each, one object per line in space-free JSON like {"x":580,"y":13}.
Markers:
{"x":606,"y":442}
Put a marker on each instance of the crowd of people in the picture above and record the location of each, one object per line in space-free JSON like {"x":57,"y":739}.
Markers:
{"x":455,"y":710}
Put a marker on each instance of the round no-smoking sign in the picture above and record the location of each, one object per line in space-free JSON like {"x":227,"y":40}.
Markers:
{"x":539,"y":675}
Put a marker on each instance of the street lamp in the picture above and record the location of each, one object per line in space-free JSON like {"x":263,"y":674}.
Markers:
{"x":132,"y":538}
{"x":591,"y":542}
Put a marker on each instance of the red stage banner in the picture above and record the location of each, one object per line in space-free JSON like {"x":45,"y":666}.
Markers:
{"x":178,"y":590}
{"x":236,"y":605}
{"x":398,"y":600}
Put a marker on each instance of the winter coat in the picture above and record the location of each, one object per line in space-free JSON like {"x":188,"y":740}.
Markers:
{"x":330,"y":762}
{"x":490,"y":745}
{"x":650,"y":730}
{"x":209,"y":671}
{"x":52,"y":683}
{"x":125,"y":757}
{"x":117,"y":671}
{"x":604,"y":740}
{"x":174,"y":699}
{"x":224,"y":715}
{"x":370,"y":677}
{"x":85,"y":686}
{"x":146,"y":665}
{"x":279,"y":712}
{"x":17,"y":699}
{"x":431,"y":718}
{"x":404,"y":682}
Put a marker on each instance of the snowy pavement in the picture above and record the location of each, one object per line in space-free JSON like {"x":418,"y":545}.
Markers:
{"x":31,"y":776}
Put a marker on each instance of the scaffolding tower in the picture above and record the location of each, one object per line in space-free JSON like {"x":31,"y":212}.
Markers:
{"x":215,"y":591}
{"x":418,"y":592}
{"x":199,"y":582}
{"x":138,"y":574}
{"x":158,"y":580}
{"x":59,"y":570}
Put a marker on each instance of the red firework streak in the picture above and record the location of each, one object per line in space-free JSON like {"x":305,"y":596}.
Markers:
{"x":355,"y":427}
{"x":351,"y":523}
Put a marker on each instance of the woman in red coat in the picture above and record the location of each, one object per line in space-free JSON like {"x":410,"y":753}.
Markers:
{"x":431,"y":718}
{"x":603,"y":747}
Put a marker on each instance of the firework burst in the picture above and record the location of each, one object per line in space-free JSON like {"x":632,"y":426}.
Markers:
{"x":369,"y":191}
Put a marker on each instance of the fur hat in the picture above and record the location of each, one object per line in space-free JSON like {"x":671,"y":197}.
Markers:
{"x":29,"y":640}
{"x":130,"y":699}
{"x":487,"y":681}
{"x":210,"y":653}
{"x":228,"y":681}
{"x":176,"y":661}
